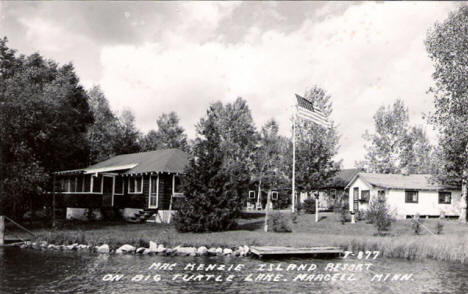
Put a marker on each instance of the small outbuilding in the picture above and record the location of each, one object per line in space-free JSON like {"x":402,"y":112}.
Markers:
{"x":406,"y":195}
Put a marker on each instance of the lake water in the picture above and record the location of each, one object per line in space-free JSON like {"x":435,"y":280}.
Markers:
{"x":33,"y":271}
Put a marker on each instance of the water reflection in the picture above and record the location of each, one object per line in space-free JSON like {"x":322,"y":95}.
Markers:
{"x":29,"y":271}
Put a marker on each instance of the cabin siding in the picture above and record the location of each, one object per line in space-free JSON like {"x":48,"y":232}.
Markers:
{"x":165,"y":191}
{"x":427,"y":205}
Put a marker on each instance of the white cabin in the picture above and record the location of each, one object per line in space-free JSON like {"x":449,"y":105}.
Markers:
{"x":406,"y":195}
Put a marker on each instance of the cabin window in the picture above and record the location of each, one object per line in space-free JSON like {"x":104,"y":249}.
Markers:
{"x":365,"y":195}
{"x":79,"y":183}
{"x":63,"y":185}
{"x":411,"y":196}
{"x":118,"y":190}
{"x":87,"y":183}
{"x":445,"y":197}
{"x":333,"y":193}
{"x":135,"y":185}
{"x":177,"y":184}
{"x":97,"y":184}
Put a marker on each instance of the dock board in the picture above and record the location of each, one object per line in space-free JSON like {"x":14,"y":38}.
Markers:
{"x":273,"y":251}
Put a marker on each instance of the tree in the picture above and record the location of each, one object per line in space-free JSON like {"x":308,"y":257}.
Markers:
{"x":396,"y":147}
{"x":218,"y":173}
{"x":267,"y":158}
{"x":103,"y":132}
{"x":316,"y":146}
{"x":168,"y":135}
{"x":44,"y":115}
{"x":447,"y":44}
{"x":127,"y":139}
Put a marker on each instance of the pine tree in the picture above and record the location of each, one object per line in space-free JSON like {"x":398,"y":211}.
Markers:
{"x":218,"y":173}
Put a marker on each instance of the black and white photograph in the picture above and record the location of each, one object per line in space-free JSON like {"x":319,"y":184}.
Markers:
{"x":233,"y":147}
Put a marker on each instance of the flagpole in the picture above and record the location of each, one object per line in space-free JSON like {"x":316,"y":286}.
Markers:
{"x":293,"y":209}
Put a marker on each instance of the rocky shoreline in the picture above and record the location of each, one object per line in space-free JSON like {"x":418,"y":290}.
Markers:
{"x":153,"y":249}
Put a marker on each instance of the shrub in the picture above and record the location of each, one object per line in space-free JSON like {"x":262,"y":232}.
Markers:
{"x":309,"y":206}
{"x":279,"y":223}
{"x":343,"y":214}
{"x":439,"y":227}
{"x":417,"y":225}
{"x":379,"y":214}
{"x":361,"y":215}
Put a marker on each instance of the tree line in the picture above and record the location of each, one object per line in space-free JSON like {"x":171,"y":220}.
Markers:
{"x":49,"y":122}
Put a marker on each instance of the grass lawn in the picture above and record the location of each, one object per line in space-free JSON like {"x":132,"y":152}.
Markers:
{"x":451,"y":245}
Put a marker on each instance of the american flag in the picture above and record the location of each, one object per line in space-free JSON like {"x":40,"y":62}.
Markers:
{"x":306,"y":110}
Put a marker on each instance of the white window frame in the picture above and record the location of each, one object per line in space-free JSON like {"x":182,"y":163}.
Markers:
{"x":68,"y":183}
{"x":135,"y":185}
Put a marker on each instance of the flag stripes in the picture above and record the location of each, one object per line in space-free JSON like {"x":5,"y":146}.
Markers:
{"x":307,"y":111}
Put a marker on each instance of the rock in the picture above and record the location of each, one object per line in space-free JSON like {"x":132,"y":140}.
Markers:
{"x":202,"y":250}
{"x":246,"y":249}
{"x":140,"y":250}
{"x":82,"y":247}
{"x":169,"y":251}
{"x":53,"y":247}
{"x":153,"y":247}
{"x":227,"y":251}
{"x":147,"y":251}
{"x":103,"y":249}
{"x":186,"y":250}
{"x":71,"y":247}
{"x":212,"y":251}
{"x":125,"y":249}
{"x":43,"y":244}
{"x":118,"y":251}
{"x":161,"y":249}
{"x":236,"y":252}
{"x":219,"y":251}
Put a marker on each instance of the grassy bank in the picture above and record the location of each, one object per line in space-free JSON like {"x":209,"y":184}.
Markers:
{"x":451,"y":245}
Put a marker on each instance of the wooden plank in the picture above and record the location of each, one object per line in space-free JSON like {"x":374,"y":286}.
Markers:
{"x":278,"y":250}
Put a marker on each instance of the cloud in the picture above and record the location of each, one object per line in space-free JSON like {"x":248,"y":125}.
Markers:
{"x":159,"y":57}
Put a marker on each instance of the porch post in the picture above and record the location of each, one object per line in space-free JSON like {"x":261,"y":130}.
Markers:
{"x":53,"y":200}
{"x":2,"y":230}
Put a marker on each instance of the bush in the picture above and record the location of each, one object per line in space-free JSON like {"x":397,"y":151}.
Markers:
{"x":309,"y":206}
{"x":379,"y":214}
{"x":361,"y":215}
{"x":439,"y":227}
{"x":279,"y":223}
{"x":417,"y":225}
{"x":342,"y":214}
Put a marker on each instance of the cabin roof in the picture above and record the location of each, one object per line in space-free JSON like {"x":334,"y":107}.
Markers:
{"x":342,"y":178}
{"x":400,"y":181}
{"x":166,"y":160}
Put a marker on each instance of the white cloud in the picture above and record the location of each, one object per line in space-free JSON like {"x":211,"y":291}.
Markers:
{"x":371,"y":54}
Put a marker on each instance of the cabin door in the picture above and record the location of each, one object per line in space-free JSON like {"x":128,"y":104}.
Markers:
{"x":108,"y":191}
{"x":153,"y":195}
{"x":356,"y":199}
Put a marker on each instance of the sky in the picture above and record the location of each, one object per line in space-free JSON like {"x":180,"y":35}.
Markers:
{"x":157,"y":57}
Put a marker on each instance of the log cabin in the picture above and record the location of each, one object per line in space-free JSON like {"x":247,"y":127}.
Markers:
{"x":139,"y":186}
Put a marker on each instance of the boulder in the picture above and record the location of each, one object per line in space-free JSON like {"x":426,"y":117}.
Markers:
{"x":72,"y":246}
{"x":202,"y":250}
{"x":153,"y":247}
{"x":186,"y":251}
{"x":161,"y":249}
{"x":82,"y":247}
{"x":212,"y":251}
{"x":125,"y":249}
{"x":227,"y":251}
{"x":219,"y":251}
{"x":246,"y":249}
{"x":147,"y":251}
{"x":103,"y":249}
{"x":53,"y":247}
{"x":140,"y":250}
